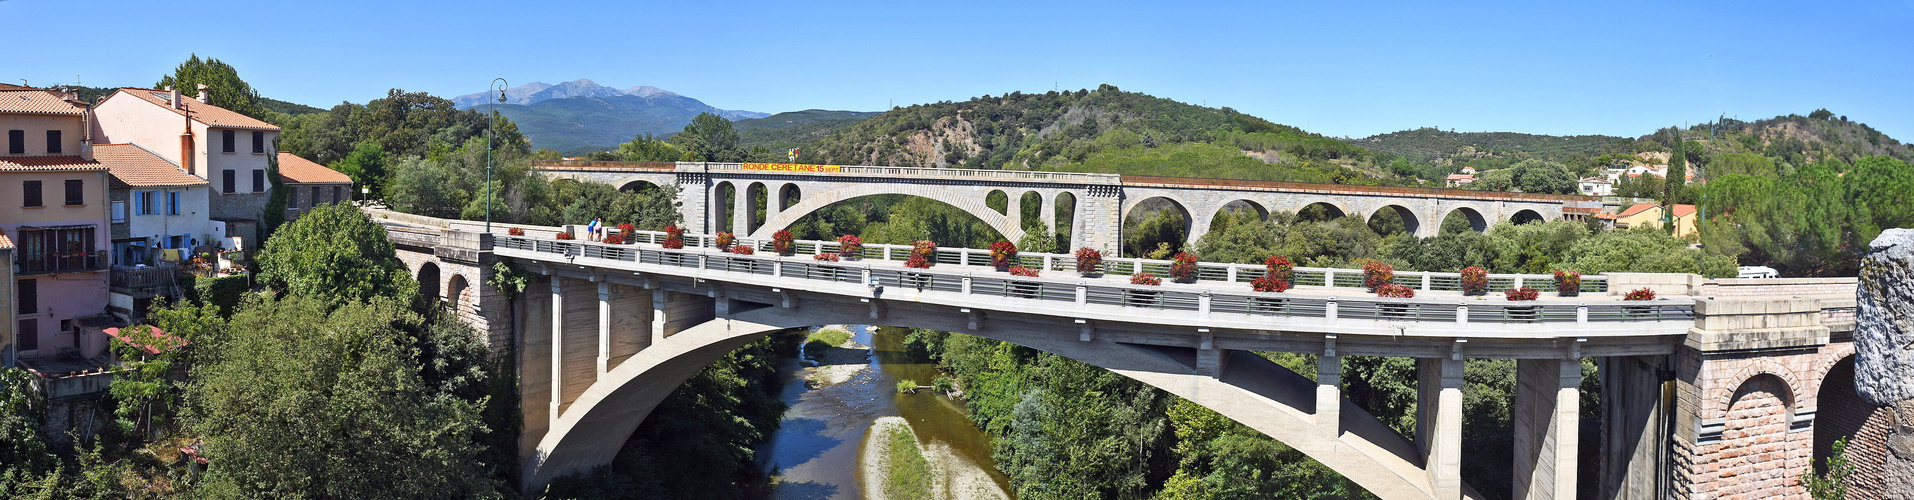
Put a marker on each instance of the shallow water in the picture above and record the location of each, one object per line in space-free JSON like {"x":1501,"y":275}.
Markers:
{"x":814,"y":451}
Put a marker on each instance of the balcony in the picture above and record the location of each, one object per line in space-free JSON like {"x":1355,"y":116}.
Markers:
{"x":80,"y":262}
{"x":143,"y":278}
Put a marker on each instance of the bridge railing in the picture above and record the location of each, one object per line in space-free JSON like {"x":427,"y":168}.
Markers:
{"x":1205,"y":271}
{"x":1203,"y":299}
{"x":1076,"y":177}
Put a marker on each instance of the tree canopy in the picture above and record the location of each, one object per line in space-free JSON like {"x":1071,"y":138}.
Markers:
{"x":222,"y":81}
{"x":335,"y":251}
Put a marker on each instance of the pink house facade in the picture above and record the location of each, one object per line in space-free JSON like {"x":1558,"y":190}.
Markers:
{"x":54,"y":208}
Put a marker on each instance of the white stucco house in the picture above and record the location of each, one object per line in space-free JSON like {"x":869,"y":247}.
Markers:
{"x":229,"y":150}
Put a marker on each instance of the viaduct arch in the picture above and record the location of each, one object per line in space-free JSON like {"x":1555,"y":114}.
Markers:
{"x":1007,"y":224}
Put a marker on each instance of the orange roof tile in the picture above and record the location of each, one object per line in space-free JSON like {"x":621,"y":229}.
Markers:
{"x":38,"y":102}
{"x":5,"y":242}
{"x":134,"y":166}
{"x":210,"y":115}
{"x":296,"y":170}
{"x":1636,"y":209}
{"x":58,"y":163}
{"x":1684,"y":210}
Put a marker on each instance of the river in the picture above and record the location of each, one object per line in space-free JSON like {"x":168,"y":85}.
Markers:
{"x":814,"y":453}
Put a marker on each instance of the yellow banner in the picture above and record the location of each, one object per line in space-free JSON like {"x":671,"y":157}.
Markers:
{"x":791,"y":167}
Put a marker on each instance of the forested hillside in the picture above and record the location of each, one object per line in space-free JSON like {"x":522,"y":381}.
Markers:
{"x":792,"y":129}
{"x":1105,"y":130}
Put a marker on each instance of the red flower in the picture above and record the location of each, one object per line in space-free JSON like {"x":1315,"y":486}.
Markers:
{"x":1089,"y":260}
{"x":1475,"y":280}
{"x":1640,"y":294}
{"x":565,"y":236}
{"x":1377,"y":273}
{"x":616,"y":239}
{"x":827,"y":257}
{"x":1002,"y":253}
{"x":1266,"y":283}
{"x":1145,"y":279}
{"x":1023,"y":271}
{"x":781,"y":241}
{"x":515,"y":231}
{"x":848,"y":245}
{"x":1524,"y":293}
{"x":1395,"y":290}
{"x":743,"y":250}
{"x":725,"y":240}
{"x":1183,"y":266}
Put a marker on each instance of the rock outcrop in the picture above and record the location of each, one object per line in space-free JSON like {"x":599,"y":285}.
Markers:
{"x":1884,"y":348}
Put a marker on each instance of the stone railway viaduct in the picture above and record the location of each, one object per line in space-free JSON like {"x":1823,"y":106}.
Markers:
{"x":1725,"y":389}
{"x":1095,"y":204}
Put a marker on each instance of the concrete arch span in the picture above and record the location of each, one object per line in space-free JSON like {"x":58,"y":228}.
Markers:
{"x":1252,"y":390}
{"x":1006,"y":225}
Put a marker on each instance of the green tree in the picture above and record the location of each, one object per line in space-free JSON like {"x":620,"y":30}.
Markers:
{"x":1677,"y":175}
{"x":366,"y":165}
{"x":710,"y":137}
{"x":1833,"y":484}
{"x":335,"y":251}
{"x":345,"y":391}
{"x":23,"y":453}
{"x":1538,"y":176}
{"x":275,"y":201}
{"x":222,"y":81}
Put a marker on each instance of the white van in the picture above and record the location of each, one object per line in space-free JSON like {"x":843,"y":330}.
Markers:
{"x":1758,"y":272}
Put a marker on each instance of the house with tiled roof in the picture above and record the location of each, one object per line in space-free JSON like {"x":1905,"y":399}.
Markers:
{"x":54,"y":208}
{"x":229,"y":150}
{"x":309,"y":184}
{"x":1653,"y":215}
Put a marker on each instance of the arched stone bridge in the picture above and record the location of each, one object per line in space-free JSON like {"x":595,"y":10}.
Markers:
{"x":1095,"y":203}
{"x":1712,"y":390}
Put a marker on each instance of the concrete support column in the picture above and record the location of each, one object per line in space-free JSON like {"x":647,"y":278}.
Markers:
{"x":558,"y":345}
{"x":1329,"y":393}
{"x":1635,"y":429}
{"x":1047,"y":212}
{"x":1439,"y":423}
{"x":604,"y":327}
{"x":1013,"y":208}
{"x":1210,"y":361}
{"x":1199,"y":226}
{"x":714,"y":210}
{"x":1546,"y":419}
{"x":660,"y":315}
{"x":773,"y":200}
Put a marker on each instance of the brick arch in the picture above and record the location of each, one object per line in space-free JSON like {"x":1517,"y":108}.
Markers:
{"x":432,"y":288}
{"x":1766,"y":367}
{"x":1006,"y":225}
{"x":457,"y":288}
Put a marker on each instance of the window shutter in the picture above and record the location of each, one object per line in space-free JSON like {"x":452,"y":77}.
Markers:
{"x":30,"y":193}
{"x":28,"y":296}
{"x":16,"y":142}
{"x":259,"y":181}
{"x":232,"y":181}
{"x":228,"y":136}
{"x":259,"y":141}
{"x":75,"y":192}
{"x":53,"y":142}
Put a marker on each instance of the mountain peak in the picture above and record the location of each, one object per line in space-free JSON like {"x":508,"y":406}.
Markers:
{"x":648,"y":91}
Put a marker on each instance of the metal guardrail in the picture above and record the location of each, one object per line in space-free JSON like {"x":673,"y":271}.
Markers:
{"x":1206,"y":271}
{"x":1060,"y":290}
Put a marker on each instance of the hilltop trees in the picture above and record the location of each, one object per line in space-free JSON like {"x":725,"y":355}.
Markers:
{"x":710,"y":137}
{"x":222,"y":81}
{"x":335,"y":251}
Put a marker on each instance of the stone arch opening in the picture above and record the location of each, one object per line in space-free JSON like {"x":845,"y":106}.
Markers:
{"x":1239,"y":208}
{"x":1153,"y":221}
{"x":724,"y":206}
{"x":455,"y":293}
{"x":760,"y":206}
{"x":1394,"y":219}
{"x":1066,"y":206}
{"x":1030,"y":209}
{"x":1758,"y":417}
{"x":814,"y":206}
{"x":1841,"y":414}
{"x":638,"y":186}
{"x":1464,"y":219}
{"x":998,"y":201}
{"x":1527,"y":216}
{"x":789,"y":195}
{"x":1321,"y":211}
{"x":429,"y":280}
{"x":591,"y":430}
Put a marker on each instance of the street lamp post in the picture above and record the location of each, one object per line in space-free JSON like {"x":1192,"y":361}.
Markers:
{"x":491,"y":134}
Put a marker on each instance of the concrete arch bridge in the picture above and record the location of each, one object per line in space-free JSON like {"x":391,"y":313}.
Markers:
{"x":607,"y":331}
{"x":1095,"y":204}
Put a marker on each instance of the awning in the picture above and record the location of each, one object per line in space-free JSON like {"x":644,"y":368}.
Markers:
{"x":69,"y":226}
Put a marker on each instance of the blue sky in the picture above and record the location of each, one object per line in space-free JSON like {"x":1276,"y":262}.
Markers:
{"x":1338,"y":68}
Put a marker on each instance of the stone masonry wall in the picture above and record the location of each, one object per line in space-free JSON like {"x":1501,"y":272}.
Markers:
{"x":1884,"y":365}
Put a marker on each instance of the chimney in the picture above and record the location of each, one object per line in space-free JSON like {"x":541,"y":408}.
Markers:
{"x":204,"y":96}
{"x":174,"y":97}
{"x":186,"y":152}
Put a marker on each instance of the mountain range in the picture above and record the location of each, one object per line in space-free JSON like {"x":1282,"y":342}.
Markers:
{"x":581,"y":114}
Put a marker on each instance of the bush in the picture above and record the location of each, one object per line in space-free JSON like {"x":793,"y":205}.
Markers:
{"x":1023,"y":271}
{"x":1183,"y":266}
{"x":743,"y":250}
{"x":826,"y":338}
{"x":674,"y":237}
{"x":1475,"y":280}
{"x":1568,"y":283}
{"x":1279,"y":268}
{"x":725,"y":240}
{"x":848,"y":245}
{"x":1395,"y":290}
{"x":224,"y":292}
{"x":1003,"y":254}
{"x":783,"y":243}
{"x":1640,"y":294}
{"x":517,"y":231}
{"x":1524,"y":293}
{"x":1375,"y":274}
{"x":1089,"y":260}
{"x":1145,"y":279}
{"x":827,"y":257}
{"x":1266,"y":283}
{"x":566,"y":236}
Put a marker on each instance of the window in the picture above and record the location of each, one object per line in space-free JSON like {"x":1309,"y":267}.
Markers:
{"x":27,"y":293}
{"x":119,"y":211}
{"x":75,"y":192}
{"x":29,"y":335}
{"x":172,"y":203}
{"x":16,"y":142}
{"x":315,"y":197}
{"x":259,"y":181}
{"x":30,"y":193}
{"x":227,"y":135}
{"x":53,"y":142}
{"x":231,"y":181}
{"x":259,"y":142}
{"x":143,"y":202}
{"x":55,"y":248}
{"x":335,"y":194}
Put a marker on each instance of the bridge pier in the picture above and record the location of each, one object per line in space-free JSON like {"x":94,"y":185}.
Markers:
{"x":1439,"y":422}
{"x":1329,"y":392}
{"x":1635,"y":396}
{"x":1546,"y":419}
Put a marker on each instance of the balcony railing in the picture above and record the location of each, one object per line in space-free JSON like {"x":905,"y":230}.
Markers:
{"x":60,"y":264}
{"x":132,"y":277}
